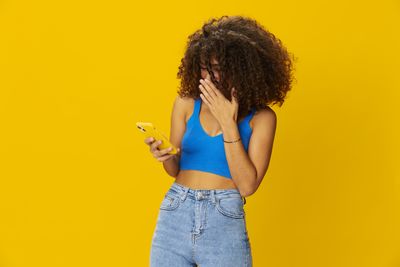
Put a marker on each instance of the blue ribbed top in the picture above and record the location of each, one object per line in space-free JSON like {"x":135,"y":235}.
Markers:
{"x":202,"y":152}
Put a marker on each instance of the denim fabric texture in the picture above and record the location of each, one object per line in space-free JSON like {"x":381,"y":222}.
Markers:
{"x":199,"y":227}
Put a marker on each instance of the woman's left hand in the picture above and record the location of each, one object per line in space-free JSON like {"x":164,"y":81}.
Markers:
{"x":223,"y":110}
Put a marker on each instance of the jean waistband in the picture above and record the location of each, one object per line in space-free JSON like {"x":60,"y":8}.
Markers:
{"x":185,"y":191}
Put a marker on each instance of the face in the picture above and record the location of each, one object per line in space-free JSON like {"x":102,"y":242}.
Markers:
{"x":215,"y":70}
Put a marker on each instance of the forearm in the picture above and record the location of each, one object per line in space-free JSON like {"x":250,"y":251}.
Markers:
{"x":241,"y":168}
{"x":171,"y":166}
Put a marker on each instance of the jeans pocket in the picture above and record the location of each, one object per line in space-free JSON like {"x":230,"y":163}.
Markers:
{"x":171,"y":201}
{"x":231,"y":207}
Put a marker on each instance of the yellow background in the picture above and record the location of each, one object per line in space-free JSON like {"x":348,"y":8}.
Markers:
{"x":79,"y":187}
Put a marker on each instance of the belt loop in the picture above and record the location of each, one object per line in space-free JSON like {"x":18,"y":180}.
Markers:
{"x":184,"y":193}
{"x":213,"y":196}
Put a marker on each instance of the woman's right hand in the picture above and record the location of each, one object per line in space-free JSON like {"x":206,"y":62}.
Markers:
{"x":160,"y":155}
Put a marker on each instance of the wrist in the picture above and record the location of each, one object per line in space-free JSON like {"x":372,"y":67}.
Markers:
{"x":233,"y":141}
{"x":228,"y":125}
{"x":170,"y":159}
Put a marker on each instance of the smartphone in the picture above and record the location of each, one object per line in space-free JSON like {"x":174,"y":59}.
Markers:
{"x":150,"y":130}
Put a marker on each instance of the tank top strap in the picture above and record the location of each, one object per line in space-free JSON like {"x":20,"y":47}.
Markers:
{"x":196,"y":110}
{"x":249,"y":117}
{"x":195,"y":113}
{"x":251,"y":114}
{"x":253,"y":111}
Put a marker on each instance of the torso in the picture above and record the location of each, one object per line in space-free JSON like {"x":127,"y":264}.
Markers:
{"x":205,"y":180}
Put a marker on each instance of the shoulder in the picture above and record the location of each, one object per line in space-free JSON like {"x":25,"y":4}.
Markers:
{"x":184,"y":106}
{"x":183,"y":101}
{"x":263,"y":117}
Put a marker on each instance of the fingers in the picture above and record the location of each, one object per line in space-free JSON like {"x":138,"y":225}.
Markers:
{"x":164,"y":158}
{"x":154,"y":146}
{"x":149,"y":140}
{"x":160,"y":155}
{"x":205,"y":100}
{"x":210,"y":87}
{"x":206,"y":89}
{"x":208,"y":93}
{"x":163,"y":151}
{"x":207,"y":85}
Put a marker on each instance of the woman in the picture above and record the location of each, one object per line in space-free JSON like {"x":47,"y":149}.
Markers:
{"x":224,"y":131}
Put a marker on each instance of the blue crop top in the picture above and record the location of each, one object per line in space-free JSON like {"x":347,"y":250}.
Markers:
{"x":202,"y":152}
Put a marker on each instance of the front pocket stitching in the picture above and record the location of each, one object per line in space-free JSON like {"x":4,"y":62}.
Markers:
{"x":226,"y":213}
{"x":171,"y":201}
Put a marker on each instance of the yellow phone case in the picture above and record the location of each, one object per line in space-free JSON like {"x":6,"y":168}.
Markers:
{"x":150,"y":130}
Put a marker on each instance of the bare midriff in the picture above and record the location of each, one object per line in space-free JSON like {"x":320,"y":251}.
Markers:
{"x":203,"y":180}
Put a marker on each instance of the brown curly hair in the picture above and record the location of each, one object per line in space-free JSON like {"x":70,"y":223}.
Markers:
{"x":251,"y":59}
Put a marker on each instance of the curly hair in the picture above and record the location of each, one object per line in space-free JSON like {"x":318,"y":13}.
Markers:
{"x":251,"y":59}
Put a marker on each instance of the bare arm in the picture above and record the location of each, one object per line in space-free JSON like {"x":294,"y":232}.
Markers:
{"x":248,"y":169}
{"x":178,"y":127}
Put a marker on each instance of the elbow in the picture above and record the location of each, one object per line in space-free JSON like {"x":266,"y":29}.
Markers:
{"x":249,"y":188}
{"x":246,"y":193}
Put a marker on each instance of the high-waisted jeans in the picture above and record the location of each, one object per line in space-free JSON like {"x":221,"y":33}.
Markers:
{"x":201,"y":227}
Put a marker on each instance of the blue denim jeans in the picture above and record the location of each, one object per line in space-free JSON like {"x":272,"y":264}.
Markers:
{"x":199,"y":227}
